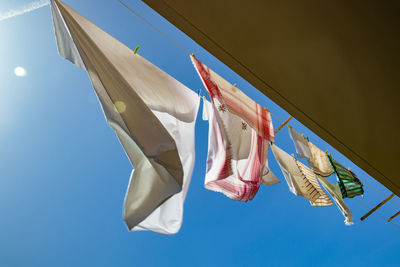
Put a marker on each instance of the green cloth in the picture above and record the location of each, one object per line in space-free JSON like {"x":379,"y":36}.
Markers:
{"x":350,"y":186}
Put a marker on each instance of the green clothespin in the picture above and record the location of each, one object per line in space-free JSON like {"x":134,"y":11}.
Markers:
{"x":136,"y":49}
{"x":305,"y":137}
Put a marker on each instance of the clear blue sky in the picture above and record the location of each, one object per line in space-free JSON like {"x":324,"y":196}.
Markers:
{"x":63,"y":173}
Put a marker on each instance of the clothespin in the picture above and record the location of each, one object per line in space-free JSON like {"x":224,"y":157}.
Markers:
{"x":193,"y":55}
{"x":326,"y":152}
{"x":234,"y":88}
{"x":136,"y":49}
{"x":305,"y":137}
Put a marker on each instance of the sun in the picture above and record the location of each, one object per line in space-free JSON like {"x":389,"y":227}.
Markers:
{"x":20,"y":71}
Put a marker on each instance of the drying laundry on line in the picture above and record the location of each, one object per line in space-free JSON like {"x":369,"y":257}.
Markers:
{"x":154,"y":118}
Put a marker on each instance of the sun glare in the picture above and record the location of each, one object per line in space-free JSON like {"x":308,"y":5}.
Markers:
{"x":20,"y":71}
{"x":120,"y":107}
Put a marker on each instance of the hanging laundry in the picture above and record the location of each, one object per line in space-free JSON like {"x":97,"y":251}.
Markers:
{"x":315,"y":156}
{"x":301,"y":144}
{"x":334,"y":192}
{"x":323,"y":200}
{"x":268,"y":177}
{"x":297,"y":182}
{"x":349,"y":184}
{"x":237,"y":153}
{"x":320,"y":162}
{"x":227,"y":97}
{"x":152,"y":114}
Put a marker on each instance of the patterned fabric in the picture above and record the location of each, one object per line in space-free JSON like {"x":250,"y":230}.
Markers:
{"x":152,"y":114}
{"x":239,"y":171}
{"x":323,"y":200}
{"x":230,"y":97}
{"x":334,"y":192}
{"x":319,"y":161}
{"x":350,"y":186}
{"x":297,"y":182}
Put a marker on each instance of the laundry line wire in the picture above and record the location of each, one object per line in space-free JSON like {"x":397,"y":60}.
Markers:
{"x":154,"y":27}
{"x":380,"y":215}
{"x":170,"y":39}
{"x":364,"y":181}
{"x":379,"y":192}
{"x":187,"y":52}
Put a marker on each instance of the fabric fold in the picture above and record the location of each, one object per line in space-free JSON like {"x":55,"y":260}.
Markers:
{"x":297,"y":182}
{"x":229,"y":98}
{"x":349,"y":184}
{"x":237,"y":156}
{"x":323,"y":200}
{"x":319,"y":161}
{"x":334,"y":192}
{"x":315,"y":157}
{"x":152,"y":114}
{"x":301,"y":144}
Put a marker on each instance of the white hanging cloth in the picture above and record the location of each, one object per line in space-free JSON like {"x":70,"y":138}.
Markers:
{"x":152,"y":114}
{"x":237,"y":175}
{"x":334,"y":191}
{"x":316,"y":158}
{"x":297,"y":182}
{"x":301,"y":144}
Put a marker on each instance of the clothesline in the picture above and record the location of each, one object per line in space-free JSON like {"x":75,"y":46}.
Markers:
{"x":170,"y":39}
{"x":383,"y":217}
{"x":284,"y":123}
{"x":154,"y":27}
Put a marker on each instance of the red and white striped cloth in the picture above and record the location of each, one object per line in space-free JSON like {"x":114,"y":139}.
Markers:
{"x":237,"y":155}
{"x":238,"y":103}
{"x":323,"y":200}
{"x":239,"y":133}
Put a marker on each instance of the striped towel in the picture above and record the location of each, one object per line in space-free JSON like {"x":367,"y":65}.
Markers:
{"x":237,"y":155}
{"x":323,"y":200}
{"x":236,"y":102}
{"x":239,"y":132}
{"x":297,"y":182}
{"x":350,"y":186}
